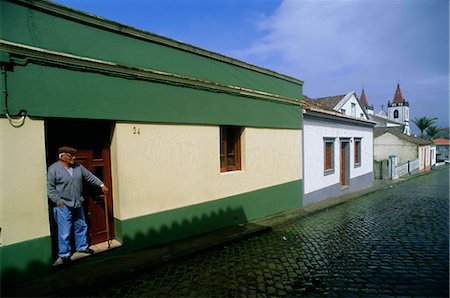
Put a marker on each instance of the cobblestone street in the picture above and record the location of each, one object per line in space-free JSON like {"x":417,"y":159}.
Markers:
{"x":390,"y":242}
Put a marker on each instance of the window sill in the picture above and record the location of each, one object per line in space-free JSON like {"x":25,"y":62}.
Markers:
{"x":231,"y":172}
{"x":328,"y":172}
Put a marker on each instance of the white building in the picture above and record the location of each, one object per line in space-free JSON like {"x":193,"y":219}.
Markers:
{"x":338,"y":147}
{"x":442,"y":149}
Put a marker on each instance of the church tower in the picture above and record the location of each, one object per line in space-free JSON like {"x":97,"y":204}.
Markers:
{"x":398,"y":110}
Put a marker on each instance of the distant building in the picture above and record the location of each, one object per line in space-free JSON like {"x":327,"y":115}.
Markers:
{"x":442,"y":149}
{"x":397,"y":114}
{"x":391,"y":141}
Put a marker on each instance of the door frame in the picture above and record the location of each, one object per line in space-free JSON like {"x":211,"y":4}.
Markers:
{"x":344,"y":153}
{"x":94,"y":135}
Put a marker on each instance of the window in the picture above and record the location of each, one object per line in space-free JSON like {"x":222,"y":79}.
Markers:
{"x":230,"y":148}
{"x":396,"y":114}
{"x":354,"y":109}
{"x":357,"y":152}
{"x":328,"y":155}
{"x":343,"y":111}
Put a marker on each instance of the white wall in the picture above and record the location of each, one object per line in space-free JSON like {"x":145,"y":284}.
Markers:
{"x":172,"y":166}
{"x":346,"y":104}
{"x":314,"y":133}
{"x":23,"y":182}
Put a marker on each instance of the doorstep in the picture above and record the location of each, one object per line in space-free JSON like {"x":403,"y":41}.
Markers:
{"x":97,"y":248}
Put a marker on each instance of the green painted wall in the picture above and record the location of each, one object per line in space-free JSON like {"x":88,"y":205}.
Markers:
{"x":45,"y":91}
{"x":25,"y":260}
{"x":31,"y":259}
{"x":180,"y":223}
{"x":32,"y":27}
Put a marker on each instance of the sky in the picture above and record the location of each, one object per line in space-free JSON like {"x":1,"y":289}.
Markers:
{"x":333,"y":46}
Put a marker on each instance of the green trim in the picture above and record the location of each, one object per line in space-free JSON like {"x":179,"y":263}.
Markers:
{"x":25,"y":260}
{"x":57,"y":92}
{"x":63,"y":60}
{"x":180,"y":223}
{"x":29,"y":25}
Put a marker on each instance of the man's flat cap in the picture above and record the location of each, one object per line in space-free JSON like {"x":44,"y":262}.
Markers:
{"x":66,"y":149}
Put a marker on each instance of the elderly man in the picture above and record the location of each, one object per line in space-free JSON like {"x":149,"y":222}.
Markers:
{"x":65,"y":189}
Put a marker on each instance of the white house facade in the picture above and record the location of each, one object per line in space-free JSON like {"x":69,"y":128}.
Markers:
{"x":338,"y":151}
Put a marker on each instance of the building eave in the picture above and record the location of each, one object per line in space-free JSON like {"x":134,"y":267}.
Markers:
{"x":99,"y":22}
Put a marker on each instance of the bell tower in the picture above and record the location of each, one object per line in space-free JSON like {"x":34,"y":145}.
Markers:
{"x":398,"y":110}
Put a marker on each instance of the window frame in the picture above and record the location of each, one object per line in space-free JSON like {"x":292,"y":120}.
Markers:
{"x":331,"y":169}
{"x":396,"y":114}
{"x":357,"y":158}
{"x":224,"y":130}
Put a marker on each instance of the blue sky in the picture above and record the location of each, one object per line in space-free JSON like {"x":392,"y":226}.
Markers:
{"x":333,"y":46}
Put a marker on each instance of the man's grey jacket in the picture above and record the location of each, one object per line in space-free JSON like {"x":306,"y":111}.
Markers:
{"x":62,"y":187}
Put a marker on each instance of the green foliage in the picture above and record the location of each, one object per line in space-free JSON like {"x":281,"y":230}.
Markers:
{"x":423,"y":123}
{"x":433,"y":132}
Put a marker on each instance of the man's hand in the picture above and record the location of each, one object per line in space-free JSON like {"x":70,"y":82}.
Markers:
{"x":105,"y":189}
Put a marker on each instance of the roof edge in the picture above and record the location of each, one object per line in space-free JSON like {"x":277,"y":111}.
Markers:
{"x":87,"y":18}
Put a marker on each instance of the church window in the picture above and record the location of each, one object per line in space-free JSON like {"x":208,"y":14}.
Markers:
{"x":396,"y":114}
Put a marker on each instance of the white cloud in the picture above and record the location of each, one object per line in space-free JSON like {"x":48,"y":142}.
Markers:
{"x":338,"y":46}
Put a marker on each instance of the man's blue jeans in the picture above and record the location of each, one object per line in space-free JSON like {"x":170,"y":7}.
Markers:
{"x":65,"y":217}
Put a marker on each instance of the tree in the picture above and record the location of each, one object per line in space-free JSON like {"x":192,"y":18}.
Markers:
{"x":433,"y":132}
{"x":423,"y":123}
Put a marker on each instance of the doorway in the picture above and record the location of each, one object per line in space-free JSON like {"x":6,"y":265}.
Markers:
{"x":92,"y":139}
{"x":345,"y":163}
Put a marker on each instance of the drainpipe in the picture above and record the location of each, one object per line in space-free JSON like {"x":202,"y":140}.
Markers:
{"x":15,"y":121}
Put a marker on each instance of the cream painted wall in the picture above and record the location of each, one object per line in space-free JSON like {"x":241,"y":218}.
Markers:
{"x":424,"y":157}
{"x":387,"y":144}
{"x":163,"y":167}
{"x":314,"y":132}
{"x":23,"y":194}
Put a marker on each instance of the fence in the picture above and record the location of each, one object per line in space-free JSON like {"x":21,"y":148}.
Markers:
{"x":389,"y":169}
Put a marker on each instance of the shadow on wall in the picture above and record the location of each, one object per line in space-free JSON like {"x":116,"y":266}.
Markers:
{"x":25,"y":261}
{"x":168,"y":226}
{"x":140,"y":233}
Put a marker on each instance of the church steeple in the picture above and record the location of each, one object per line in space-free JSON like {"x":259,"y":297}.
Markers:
{"x":398,"y":96}
{"x":398,"y":100}
{"x":365,"y":104}
{"x":398,"y":110}
{"x":363,"y":99}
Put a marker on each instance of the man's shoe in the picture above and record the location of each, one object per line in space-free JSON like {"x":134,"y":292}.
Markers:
{"x":87,"y":251}
{"x":66,"y":260}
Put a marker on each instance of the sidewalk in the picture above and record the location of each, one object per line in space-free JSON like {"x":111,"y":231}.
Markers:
{"x":81,"y":274}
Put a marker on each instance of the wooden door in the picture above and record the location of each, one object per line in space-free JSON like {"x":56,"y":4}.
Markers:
{"x":343,"y":164}
{"x":98,"y":207}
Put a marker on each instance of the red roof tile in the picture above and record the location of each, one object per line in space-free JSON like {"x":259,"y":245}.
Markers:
{"x":441,"y":141}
